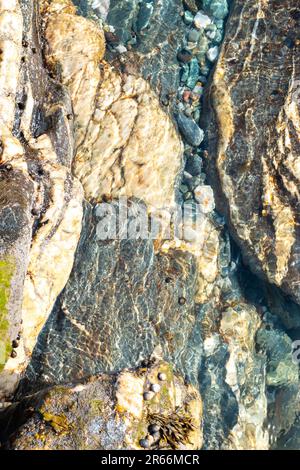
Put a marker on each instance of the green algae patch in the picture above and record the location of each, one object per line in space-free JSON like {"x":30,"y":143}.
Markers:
{"x":7,"y":269}
{"x":96,"y":407}
{"x":58,"y":422}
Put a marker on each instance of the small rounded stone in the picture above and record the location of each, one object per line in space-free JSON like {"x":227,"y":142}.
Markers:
{"x":34,"y":211}
{"x":161,"y":376}
{"x":150,"y":439}
{"x":194,"y":35}
{"x":181,"y":301}
{"x":13,"y":354}
{"x":15,"y":343}
{"x":111,"y":38}
{"x":184,"y":56}
{"x":146,"y":443}
{"x":156,"y":436}
{"x":148,"y":396}
{"x":155,"y":388}
{"x":8,"y":167}
{"x":154,"y":428}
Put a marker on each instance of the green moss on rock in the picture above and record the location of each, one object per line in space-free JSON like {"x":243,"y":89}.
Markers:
{"x":7,"y":268}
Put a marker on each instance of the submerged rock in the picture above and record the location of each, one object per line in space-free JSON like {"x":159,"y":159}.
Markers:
{"x":253,"y":139}
{"x":281,"y":369}
{"x":232,"y":379}
{"x":153,"y":55}
{"x":190,"y":130}
{"x":120,"y":303}
{"x":98,"y":295}
{"x":201,"y":20}
{"x":218,"y":8}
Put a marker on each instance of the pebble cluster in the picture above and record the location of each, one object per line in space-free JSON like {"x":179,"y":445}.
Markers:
{"x":154,"y":434}
{"x":15,"y":345}
{"x":205,"y":28}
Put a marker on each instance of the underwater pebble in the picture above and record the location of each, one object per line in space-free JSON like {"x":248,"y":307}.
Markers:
{"x":190,"y":130}
{"x":188,"y":196}
{"x":218,"y":8}
{"x":194,"y":165}
{"x":187,"y":177}
{"x":186,"y":95}
{"x":219,"y":37}
{"x":194,"y":35}
{"x":121,"y":49}
{"x":219,"y":24}
{"x":211,"y":34}
{"x":194,"y":182}
{"x":101,"y":7}
{"x":224,"y":272}
{"x":202,"y":79}
{"x":196,"y":115}
{"x":212,"y":53}
{"x":205,"y":70}
{"x":184,"y":56}
{"x":201,"y":20}
{"x":188,"y":18}
{"x":156,"y":436}
{"x":183,"y":188}
{"x":203,"y":46}
{"x":205,"y":197}
{"x":184,"y":76}
{"x":193,"y":73}
{"x":198,"y":89}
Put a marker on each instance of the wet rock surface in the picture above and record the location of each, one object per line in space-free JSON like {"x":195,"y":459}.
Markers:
{"x":136,"y":342}
{"x":253,"y":138}
{"x":39,"y":195}
{"x":155,"y":30}
{"x":104,"y":309}
{"x":113,"y":412}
